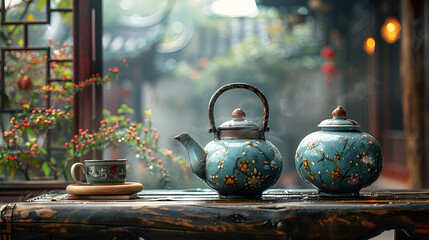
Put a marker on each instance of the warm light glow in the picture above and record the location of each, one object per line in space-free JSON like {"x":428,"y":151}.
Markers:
{"x":12,"y":3}
{"x":390,"y":27}
{"x":369,"y":46}
{"x":391,"y":30}
{"x":370,"y":42}
{"x":234,"y":8}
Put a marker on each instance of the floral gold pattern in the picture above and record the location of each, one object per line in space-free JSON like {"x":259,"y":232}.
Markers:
{"x":230,"y":181}
{"x":339,"y":159}
{"x":239,"y":162}
{"x":244,"y":166}
{"x":254,"y":180}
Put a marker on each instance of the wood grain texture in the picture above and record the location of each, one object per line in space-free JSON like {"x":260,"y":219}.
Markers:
{"x":119,"y":189}
{"x":278,"y":215}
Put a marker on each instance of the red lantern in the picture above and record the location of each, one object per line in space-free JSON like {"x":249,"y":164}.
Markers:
{"x":25,"y":83}
{"x":125,"y":91}
{"x":327,"y":52}
{"x":329,"y":68}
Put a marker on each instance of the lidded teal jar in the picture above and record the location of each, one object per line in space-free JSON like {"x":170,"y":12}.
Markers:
{"x":339,"y":159}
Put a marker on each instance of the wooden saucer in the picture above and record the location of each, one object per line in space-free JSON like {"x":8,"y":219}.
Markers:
{"x":95,"y":190}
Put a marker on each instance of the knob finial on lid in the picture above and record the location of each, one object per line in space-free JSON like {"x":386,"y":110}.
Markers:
{"x":238,"y":115}
{"x":339,"y":112}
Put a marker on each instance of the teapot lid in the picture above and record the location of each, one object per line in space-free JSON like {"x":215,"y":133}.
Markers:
{"x":239,"y":127}
{"x":338,"y":121}
{"x":238,"y":121}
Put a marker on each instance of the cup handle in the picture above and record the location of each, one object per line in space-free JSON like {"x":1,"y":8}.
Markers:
{"x":84,"y":169}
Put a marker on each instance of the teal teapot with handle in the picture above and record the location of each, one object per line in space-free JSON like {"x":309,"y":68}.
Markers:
{"x":239,"y":162}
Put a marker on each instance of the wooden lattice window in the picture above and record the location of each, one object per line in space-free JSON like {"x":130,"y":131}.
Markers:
{"x":48,"y":42}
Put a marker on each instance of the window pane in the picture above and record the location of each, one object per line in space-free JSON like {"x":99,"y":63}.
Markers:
{"x":12,"y":35}
{"x":61,"y":4}
{"x":25,"y":72}
{"x":36,"y":85}
{"x":26,"y":10}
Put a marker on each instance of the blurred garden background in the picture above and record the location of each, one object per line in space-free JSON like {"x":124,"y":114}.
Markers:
{"x":307,"y":56}
{"x":150,"y":68}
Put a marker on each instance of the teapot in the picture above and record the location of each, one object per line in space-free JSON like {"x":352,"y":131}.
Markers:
{"x":239,"y":162}
{"x":340,"y":159}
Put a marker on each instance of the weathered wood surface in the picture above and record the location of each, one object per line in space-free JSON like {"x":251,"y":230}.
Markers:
{"x":23,"y":190}
{"x":281,"y":214}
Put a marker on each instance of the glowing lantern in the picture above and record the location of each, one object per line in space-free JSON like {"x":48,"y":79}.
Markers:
{"x":327,"y":52}
{"x":391,"y":30}
{"x":329,"y":68}
{"x":369,"y":46}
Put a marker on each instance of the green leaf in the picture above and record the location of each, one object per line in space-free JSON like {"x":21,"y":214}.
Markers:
{"x":30,"y":159}
{"x":53,"y":161}
{"x":70,"y":151}
{"x":68,"y":84}
{"x":11,"y":173}
{"x":67,"y":17}
{"x":41,"y":150}
{"x":20,"y":41}
{"x":45,"y":168}
{"x":31,"y":141}
{"x":130,"y":110}
{"x":65,"y":3}
{"x":30,"y":133}
{"x":40,"y":4}
{"x":106,"y":112}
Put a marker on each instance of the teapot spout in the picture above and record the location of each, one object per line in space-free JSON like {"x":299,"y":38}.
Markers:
{"x":197,"y":154}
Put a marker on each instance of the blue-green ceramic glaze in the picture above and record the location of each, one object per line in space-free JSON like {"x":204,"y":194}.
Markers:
{"x":241,"y":167}
{"x":239,"y":162}
{"x":339,"y":160}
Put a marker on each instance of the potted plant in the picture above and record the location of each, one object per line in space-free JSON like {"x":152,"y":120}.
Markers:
{"x":30,"y":134}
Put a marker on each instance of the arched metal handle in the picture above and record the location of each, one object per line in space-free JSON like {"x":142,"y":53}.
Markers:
{"x":227,"y":87}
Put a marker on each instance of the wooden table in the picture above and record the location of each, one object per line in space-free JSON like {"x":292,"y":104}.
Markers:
{"x":200,"y":214}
